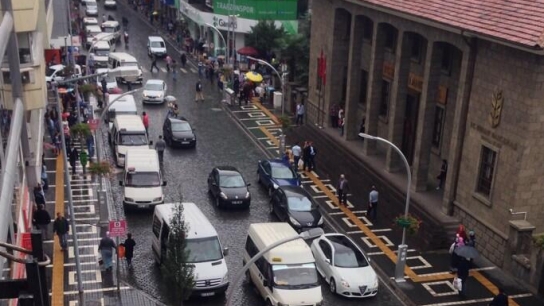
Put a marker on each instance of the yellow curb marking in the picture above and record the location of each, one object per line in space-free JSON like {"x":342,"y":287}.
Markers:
{"x":490,"y":286}
{"x":57,"y":288}
{"x":266,"y":111}
{"x":270,"y":136}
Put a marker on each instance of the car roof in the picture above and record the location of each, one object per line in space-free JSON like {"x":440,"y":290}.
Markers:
{"x":199,"y":226}
{"x":340,"y":239}
{"x":291,"y":191}
{"x":180,"y":119}
{"x":155,"y":38}
{"x":294,"y":252}
{"x":142,"y":159}
{"x":90,"y":19}
{"x":110,"y":23}
{"x":101,"y":44}
{"x":91,"y":27}
{"x":154,"y":81}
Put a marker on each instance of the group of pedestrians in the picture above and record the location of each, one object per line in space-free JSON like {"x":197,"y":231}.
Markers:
{"x":303,"y":157}
{"x":107,"y":248}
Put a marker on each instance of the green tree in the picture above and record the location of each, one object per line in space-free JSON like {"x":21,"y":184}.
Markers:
{"x":178,"y":275}
{"x":265,"y":36}
{"x":296,"y":51}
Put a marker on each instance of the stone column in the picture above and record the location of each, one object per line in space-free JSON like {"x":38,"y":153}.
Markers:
{"x":351,"y":127}
{"x":468,"y":58}
{"x":374,"y":91}
{"x":398,"y":98}
{"x":427,"y":105}
{"x":519,"y":243}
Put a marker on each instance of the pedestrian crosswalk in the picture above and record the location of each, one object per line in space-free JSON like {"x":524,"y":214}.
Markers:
{"x":163,"y":70}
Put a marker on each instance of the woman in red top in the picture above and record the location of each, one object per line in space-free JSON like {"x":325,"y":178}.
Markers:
{"x":462,"y":232}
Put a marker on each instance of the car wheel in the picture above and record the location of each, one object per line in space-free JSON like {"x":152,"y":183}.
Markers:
{"x":268,"y":303}
{"x":217,"y":202}
{"x":332,"y":285}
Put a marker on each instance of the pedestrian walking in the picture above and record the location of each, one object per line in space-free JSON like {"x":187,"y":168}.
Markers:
{"x":236,"y":88}
{"x":73,"y":157}
{"x":106,"y":248}
{"x":305,"y":155}
{"x":342,"y":190}
{"x":168,"y":61}
{"x":300,"y":113}
{"x":333,"y":113}
{"x":145,"y":121}
{"x":42,"y":219}
{"x":462,"y":232}
{"x":500,"y":299}
{"x":90,"y":144}
{"x":160,"y":146}
{"x":200,"y":68}
{"x":454,"y":259}
{"x":129,"y":245}
{"x":373,"y":203}
{"x":463,"y":268}
{"x":342,"y":124}
{"x":340,"y":115}
{"x":312,"y":152}
{"x":183,"y":59}
{"x":154,"y":64}
{"x":56,"y":143}
{"x":83,"y":159}
{"x":104,"y":84}
{"x":44,"y":178}
{"x":61,"y":228}
{"x":471,"y":241}
{"x":297,"y":154}
{"x":199,"y":95}
{"x":39,"y":195}
{"x":50,"y":126}
{"x":174,"y":66}
{"x":442,"y":175}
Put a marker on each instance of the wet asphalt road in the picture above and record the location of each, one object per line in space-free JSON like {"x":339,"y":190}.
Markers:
{"x":219,"y":142}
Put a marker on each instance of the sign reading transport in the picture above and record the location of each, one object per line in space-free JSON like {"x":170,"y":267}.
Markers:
{"x":117,"y":228}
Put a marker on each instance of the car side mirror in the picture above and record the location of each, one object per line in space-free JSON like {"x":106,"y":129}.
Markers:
{"x":249,"y":184}
{"x":328,"y":261}
{"x":164,"y":183}
{"x":225,"y":251}
{"x":120,"y":183}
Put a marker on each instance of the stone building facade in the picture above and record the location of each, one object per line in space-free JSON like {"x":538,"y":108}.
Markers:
{"x":442,"y":86}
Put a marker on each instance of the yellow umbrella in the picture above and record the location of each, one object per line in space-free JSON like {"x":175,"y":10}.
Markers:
{"x":254,"y":76}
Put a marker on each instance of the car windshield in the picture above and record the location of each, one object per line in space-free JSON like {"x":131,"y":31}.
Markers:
{"x":299,"y":203}
{"x":348,"y":257}
{"x":101,"y":52}
{"x":156,"y":44}
{"x":282,"y":172}
{"x":231,"y":181}
{"x":153,"y":86}
{"x":181,"y":127}
{"x":132,"y":139}
{"x":108,"y":29}
{"x":295,"y":276}
{"x":93,"y":32}
{"x":204,"y":249}
{"x":50,"y":72}
{"x":142,"y":179}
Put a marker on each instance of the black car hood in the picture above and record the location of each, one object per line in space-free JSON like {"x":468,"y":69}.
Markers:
{"x":232,"y":193}
{"x":306,"y":217}
{"x":180,"y":135}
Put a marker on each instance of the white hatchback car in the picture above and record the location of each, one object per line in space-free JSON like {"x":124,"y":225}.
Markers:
{"x":91,"y":8}
{"x":344,"y":266}
{"x":154,"y":91}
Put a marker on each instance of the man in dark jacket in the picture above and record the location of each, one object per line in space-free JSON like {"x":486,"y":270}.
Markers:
{"x":500,"y":299}
{"x":199,"y":95}
{"x":129,"y":249}
{"x":39,"y":195}
{"x":73,"y":156}
{"x":342,"y":190}
{"x":61,"y":228}
{"x":42,"y":220}
{"x":463,"y":268}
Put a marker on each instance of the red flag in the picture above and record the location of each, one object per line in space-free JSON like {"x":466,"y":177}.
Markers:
{"x":324,"y":70}
{"x":320,"y":65}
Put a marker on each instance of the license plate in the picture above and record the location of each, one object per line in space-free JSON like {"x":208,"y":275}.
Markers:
{"x":236,"y":202}
{"x":185,"y":142}
{"x":144,"y":206}
{"x":207,"y":294}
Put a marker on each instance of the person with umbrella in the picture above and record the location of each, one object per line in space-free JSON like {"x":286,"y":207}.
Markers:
{"x":463,"y":268}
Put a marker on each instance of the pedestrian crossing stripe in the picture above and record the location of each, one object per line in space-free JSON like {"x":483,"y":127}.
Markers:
{"x":193,"y":70}
{"x":163,"y":69}
{"x":143,"y":69}
{"x":183,"y":70}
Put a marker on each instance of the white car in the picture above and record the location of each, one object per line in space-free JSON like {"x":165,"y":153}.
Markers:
{"x":111,"y":82}
{"x":154,"y":91}
{"x":110,"y":4}
{"x":344,"y":266}
{"x":90,"y":21}
{"x":56,"y":73}
{"x":91,"y":8}
{"x":84,"y":2}
{"x":156,"y":46}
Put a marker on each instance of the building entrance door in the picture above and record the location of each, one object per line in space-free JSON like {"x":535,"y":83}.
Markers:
{"x":410,"y":126}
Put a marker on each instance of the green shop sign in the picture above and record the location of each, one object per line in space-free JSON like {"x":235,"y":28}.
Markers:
{"x":257,"y":9}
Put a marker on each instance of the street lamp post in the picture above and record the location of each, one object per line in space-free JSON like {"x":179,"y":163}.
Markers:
{"x":307,"y":235}
{"x":403,"y":248}
{"x":263,"y":62}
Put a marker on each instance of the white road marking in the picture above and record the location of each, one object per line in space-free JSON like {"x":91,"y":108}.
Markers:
{"x":163,"y":69}
{"x":465,"y":302}
{"x":183,"y":70}
{"x":72,"y":277}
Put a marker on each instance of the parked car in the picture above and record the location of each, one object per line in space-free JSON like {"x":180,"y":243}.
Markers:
{"x":228,"y":187}
{"x":344,"y":266}
{"x":57,"y":73}
{"x":178,"y":132}
{"x":274,"y":173}
{"x":154,"y":91}
{"x":110,"y":4}
{"x":156,"y":46}
{"x":294,"y":205}
{"x":91,"y":8}
{"x":111,"y":82}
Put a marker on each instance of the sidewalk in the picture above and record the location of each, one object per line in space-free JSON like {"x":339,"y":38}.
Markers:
{"x":428,"y":280}
{"x":99,"y":287}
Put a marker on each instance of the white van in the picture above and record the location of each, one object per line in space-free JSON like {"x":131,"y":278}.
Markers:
{"x":112,"y":27}
{"x":142,"y":179}
{"x":125,"y":105}
{"x":100,"y":50}
{"x":205,"y":251}
{"x":286,"y":275}
{"x":122,"y":59}
{"x":128,"y":132}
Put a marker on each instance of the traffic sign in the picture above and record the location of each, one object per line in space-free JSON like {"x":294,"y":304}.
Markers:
{"x":118,"y":228}
{"x":93,"y":124}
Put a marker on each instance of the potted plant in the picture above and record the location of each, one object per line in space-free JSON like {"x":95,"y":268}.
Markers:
{"x":100,"y":169}
{"x":285,"y":122}
{"x":410,"y":223}
{"x":87,"y":90}
{"x":81,"y":131}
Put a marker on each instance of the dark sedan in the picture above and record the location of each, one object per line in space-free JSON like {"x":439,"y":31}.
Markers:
{"x":296,"y":206}
{"x":178,"y":133}
{"x":273,"y":173}
{"x":228,"y":187}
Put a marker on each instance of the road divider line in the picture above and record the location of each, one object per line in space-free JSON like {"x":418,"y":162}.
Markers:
{"x":372,"y":236}
{"x":57,"y":288}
